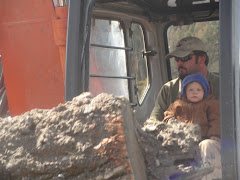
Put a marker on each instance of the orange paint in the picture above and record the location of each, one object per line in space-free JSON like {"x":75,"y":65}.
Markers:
{"x":33,"y":69}
{"x":60,"y":33}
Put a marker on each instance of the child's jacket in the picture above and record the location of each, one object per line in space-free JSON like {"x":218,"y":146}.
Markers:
{"x":206,"y":113}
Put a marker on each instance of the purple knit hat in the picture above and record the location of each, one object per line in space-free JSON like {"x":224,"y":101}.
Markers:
{"x":198,"y":77}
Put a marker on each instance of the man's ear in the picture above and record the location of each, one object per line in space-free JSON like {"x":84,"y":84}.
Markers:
{"x":202,"y":59}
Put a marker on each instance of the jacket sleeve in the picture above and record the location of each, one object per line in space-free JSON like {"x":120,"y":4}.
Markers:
{"x":167,"y":95}
{"x":213,"y":113}
{"x":169,"y":113}
{"x":161,"y":104}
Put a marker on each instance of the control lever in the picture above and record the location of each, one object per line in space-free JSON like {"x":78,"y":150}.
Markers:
{"x":149,"y":53}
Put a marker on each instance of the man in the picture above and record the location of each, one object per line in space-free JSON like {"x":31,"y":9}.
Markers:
{"x":191,"y":57}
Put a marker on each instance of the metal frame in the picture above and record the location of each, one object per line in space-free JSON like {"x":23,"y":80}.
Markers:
{"x":77,"y":50}
{"x":112,"y":47}
{"x":229,"y":87}
{"x":114,"y":77}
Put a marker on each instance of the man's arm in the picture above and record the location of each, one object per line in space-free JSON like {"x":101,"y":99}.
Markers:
{"x":167,"y":95}
{"x":161,"y":104}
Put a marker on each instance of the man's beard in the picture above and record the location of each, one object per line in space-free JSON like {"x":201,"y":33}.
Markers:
{"x":182,"y":75}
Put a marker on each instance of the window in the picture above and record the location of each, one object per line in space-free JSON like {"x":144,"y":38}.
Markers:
{"x":208,"y":32}
{"x":108,"y":71}
{"x":60,"y":3}
{"x":142,"y":79}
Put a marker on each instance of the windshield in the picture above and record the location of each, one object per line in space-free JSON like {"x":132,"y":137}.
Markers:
{"x":208,"y":32}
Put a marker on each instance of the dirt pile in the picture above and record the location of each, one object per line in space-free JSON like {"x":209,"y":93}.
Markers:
{"x":170,"y":149}
{"x":94,"y":139}
{"x":70,"y":141}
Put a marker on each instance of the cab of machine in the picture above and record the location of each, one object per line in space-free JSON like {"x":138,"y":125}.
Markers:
{"x":119,"y":47}
{"x":128,"y":41}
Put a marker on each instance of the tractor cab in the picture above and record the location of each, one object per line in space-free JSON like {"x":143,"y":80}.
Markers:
{"x":119,"y":47}
{"x":52,"y":51}
{"x":128,"y":41}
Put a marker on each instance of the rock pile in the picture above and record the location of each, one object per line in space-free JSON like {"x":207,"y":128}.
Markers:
{"x":81,"y":139}
{"x":170,"y":149}
{"x":93,"y":138}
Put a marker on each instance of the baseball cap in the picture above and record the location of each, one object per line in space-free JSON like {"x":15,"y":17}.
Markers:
{"x":186,"y":45}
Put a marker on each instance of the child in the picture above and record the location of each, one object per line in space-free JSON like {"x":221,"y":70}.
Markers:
{"x":197,"y":105}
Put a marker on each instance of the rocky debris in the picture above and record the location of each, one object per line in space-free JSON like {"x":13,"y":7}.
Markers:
{"x":81,"y":139}
{"x":95,"y":138}
{"x":170,"y":149}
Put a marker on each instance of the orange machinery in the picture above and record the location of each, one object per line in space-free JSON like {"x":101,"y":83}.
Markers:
{"x":32,"y":46}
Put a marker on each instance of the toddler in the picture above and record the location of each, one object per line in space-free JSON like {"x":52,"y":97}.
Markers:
{"x":197,"y":105}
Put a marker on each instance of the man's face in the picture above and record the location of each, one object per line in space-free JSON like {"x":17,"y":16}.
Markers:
{"x":188,"y":67}
{"x":194,"y":92}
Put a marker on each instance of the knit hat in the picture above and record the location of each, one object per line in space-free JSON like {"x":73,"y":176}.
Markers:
{"x":198,"y":77}
{"x":186,"y":45}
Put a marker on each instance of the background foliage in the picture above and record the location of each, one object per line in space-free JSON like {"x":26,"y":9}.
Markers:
{"x":208,"y":32}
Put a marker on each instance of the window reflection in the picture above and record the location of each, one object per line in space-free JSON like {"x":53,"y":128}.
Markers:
{"x":142,"y":79}
{"x":107,"y":61}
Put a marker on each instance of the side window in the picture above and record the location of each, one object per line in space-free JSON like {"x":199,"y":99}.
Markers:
{"x":60,"y":2}
{"x":141,"y":69}
{"x":108,"y":71}
{"x":208,"y":32}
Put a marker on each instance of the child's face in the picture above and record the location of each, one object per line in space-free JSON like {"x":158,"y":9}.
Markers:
{"x":194,"y":92}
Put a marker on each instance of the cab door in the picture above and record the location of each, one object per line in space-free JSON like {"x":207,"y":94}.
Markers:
{"x":122,"y":56}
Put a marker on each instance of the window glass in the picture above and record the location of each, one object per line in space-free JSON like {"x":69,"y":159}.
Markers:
{"x":208,"y":32}
{"x":201,"y":2}
{"x":142,"y":79}
{"x":172,"y":3}
{"x":107,"y":61}
{"x":60,"y":3}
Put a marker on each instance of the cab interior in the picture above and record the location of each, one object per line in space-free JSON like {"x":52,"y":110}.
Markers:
{"x":128,"y":41}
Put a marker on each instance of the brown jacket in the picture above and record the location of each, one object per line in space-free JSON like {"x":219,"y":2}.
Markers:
{"x":206,"y":113}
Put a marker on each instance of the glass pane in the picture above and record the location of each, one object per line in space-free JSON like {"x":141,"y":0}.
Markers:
{"x":107,"y":61}
{"x":107,"y":32}
{"x":118,"y":87}
{"x":208,"y":32}
{"x":172,"y":3}
{"x":142,"y":79}
{"x":200,"y":1}
{"x":60,"y":3}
